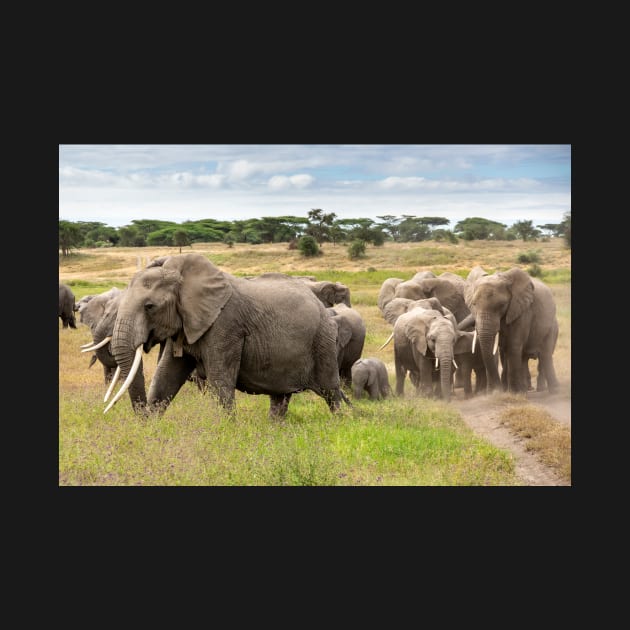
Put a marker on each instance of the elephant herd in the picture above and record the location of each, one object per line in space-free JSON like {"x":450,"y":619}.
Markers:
{"x":278,"y":335}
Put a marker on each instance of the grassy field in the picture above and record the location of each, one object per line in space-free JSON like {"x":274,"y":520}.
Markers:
{"x":400,"y":441}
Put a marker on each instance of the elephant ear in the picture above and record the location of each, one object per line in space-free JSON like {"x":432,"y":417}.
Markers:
{"x":522,"y":293}
{"x":416,"y":331}
{"x":342,"y":294}
{"x":344,"y":331}
{"x":204,"y":291}
{"x":451,"y":318}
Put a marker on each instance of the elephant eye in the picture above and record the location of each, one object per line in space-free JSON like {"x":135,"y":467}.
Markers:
{"x":149,"y":306}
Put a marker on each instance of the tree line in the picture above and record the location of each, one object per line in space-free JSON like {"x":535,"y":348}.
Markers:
{"x":320,"y":226}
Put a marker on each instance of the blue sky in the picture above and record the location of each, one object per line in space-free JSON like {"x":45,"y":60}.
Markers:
{"x":115,"y":184}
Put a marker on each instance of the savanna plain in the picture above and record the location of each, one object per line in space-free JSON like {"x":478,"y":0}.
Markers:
{"x":399,"y":441}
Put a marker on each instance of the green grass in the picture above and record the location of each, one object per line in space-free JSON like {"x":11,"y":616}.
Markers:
{"x":195,"y":443}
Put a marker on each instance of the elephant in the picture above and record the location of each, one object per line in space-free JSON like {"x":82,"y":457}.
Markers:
{"x":351,"y":332}
{"x":398,"y":306}
{"x":370,"y":375}
{"x":424,"y":337}
{"x":522,"y":311}
{"x":329,"y":293}
{"x":468,"y":361}
{"x":265,"y":335}
{"x":386,"y":292}
{"x":67,"y":306}
{"x":94,"y":312}
{"x":450,"y":293}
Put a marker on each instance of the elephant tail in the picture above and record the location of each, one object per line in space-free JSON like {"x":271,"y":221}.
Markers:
{"x":345,"y":398}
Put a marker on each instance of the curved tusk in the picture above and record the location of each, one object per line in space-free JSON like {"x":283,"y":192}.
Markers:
{"x":496,"y":343}
{"x":98,"y":345}
{"x":85,"y":345}
{"x":454,"y":364}
{"x":125,"y":385}
{"x":388,"y":340}
{"x":111,"y":385}
{"x":474,"y":340}
{"x":436,"y":363}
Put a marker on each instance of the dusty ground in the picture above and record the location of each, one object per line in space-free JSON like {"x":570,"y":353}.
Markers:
{"x":482,"y":414}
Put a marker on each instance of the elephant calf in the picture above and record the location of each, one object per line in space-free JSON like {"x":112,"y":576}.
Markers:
{"x":370,"y":375}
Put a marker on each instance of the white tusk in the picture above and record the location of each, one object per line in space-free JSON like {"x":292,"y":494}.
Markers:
{"x":496,"y":344}
{"x":436,"y":363}
{"x":474,"y":340}
{"x":98,"y":345}
{"x":85,"y":345}
{"x":125,"y":385}
{"x":455,"y":364}
{"x":388,"y":340}
{"x":111,"y":385}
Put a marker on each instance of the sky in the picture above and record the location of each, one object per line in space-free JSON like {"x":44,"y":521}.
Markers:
{"x":116,"y":184}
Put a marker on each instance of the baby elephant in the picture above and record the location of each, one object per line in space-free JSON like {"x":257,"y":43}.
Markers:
{"x":370,"y":375}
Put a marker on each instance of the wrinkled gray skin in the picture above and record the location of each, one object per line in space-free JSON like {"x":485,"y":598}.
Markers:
{"x":467,"y":362}
{"x":386,"y":292}
{"x":522,"y":309}
{"x":394,"y":309}
{"x":351,"y":332}
{"x":329,"y":293}
{"x":421,"y":335}
{"x":261,"y":336}
{"x":450,"y":293}
{"x":92,"y":309}
{"x":66,"y":306}
{"x":370,"y":375}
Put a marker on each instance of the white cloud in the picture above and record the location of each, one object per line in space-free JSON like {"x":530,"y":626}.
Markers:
{"x":283,"y":182}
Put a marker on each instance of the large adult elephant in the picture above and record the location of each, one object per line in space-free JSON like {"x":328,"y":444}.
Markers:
{"x":351,"y":332}
{"x":67,"y":306}
{"x":424,"y":338}
{"x":261,"y":336}
{"x":522,"y":311}
{"x":450,"y":293}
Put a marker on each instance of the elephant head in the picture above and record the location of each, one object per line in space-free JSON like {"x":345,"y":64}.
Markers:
{"x":519,"y":311}
{"x":449,"y":292}
{"x":422,"y":338}
{"x":329,"y":293}
{"x":386,"y":292}
{"x":394,"y":309}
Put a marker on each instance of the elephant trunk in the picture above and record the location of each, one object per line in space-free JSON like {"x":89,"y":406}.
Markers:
{"x":444,"y":359}
{"x":127,"y":354}
{"x":487,"y":327}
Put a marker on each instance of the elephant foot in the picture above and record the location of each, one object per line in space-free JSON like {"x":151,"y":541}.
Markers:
{"x":278,"y":406}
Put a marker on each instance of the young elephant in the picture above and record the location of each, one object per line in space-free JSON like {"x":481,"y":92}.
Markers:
{"x":351,"y":331}
{"x":370,"y":375}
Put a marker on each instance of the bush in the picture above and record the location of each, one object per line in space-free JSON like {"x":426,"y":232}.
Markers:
{"x":535,"y":271}
{"x":308,"y":246}
{"x":529,"y":257}
{"x":356,"y":249}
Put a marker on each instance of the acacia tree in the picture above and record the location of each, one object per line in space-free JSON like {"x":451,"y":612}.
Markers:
{"x":526,"y":230}
{"x":70,"y":237}
{"x":180,"y":239}
{"x":320,"y":224}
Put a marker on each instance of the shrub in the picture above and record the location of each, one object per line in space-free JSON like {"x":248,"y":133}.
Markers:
{"x":535,"y":271}
{"x":529,"y":257}
{"x":356,"y":249}
{"x":308,"y":246}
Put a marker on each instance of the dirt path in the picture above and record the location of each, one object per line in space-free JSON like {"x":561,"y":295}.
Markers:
{"x":482,"y":415}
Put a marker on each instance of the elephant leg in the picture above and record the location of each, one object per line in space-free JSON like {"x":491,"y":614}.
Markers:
{"x":171,"y":373}
{"x":546,"y":368}
{"x":400,"y":380}
{"x":425,"y":385}
{"x":333,"y":398}
{"x":279,"y":403}
{"x":373,"y":391}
